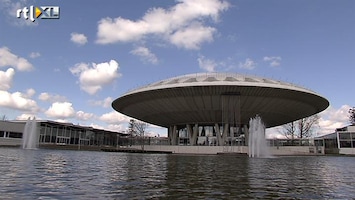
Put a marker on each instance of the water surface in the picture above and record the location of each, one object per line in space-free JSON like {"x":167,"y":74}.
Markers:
{"x":60,"y":174}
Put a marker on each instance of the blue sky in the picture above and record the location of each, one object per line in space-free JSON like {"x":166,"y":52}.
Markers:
{"x":70,"y":69}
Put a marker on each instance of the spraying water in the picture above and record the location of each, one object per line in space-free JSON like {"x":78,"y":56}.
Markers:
{"x":30,"y":136}
{"x":257,"y":143}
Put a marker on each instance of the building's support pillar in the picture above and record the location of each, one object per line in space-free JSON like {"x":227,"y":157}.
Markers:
{"x":56,"y":134}
{"x":174,"y":135}
{"x":218,"y":134}
{"x":225,"y":133}
{"x":170,"y":133}
{"x":194,"y":135}
{"x":190,"y":133}
{"x":246,"y":132}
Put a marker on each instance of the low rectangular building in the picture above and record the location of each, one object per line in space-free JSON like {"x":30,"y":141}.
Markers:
{"x":61,"y":134}
{"x":346,"y":140}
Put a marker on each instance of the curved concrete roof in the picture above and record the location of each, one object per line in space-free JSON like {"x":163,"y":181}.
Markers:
{"x":202,"y":98}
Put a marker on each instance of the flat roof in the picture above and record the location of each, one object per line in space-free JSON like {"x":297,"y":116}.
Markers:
{"x":16,"y":123}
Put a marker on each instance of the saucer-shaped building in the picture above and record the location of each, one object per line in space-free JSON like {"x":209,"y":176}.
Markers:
{"x":217,"y":106}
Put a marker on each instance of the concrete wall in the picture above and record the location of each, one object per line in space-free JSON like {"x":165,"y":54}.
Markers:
{"x":296,"y":150}
{"x":347,"y":151}
{"x":194,"y":149}
{"x":10,"y":142}
{"x":280,"y":151}
{"x":351,"y":128}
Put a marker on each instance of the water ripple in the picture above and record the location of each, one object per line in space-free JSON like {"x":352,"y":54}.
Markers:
{"x":50,"y":174}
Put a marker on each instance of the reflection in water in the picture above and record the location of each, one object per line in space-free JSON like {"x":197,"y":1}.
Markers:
{"x":206,"y":177}
{"x":49,"y":174}
{"x":299,"y":177}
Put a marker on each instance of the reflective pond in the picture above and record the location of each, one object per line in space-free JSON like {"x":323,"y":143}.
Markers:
{"x":62,"y":174}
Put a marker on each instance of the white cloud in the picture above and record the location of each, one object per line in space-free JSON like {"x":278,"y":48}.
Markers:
{"x":97,"y":126}
{"x":274,"y":61}
{"x":30,"y":92}
{"x":145,"y":54}
{"x":120,"y":30}
{"x":155,"y":131}
{"x":341,"y":114}
{"x":9,"y":10}
{"x":181,"y":25}
{"x":93,"y":78}
{"x":6,"y":78}
{"x":274,"y":133}
{"x":206,"y":64}
{"x":106,"y":103}
{"x":78,"y":38}
{"x":25,"y":116}
{"x":17,"y":101}
{"x":8,"y":59}
{"x":60,"y":110}
{"x":34,"y":55}
{"x":116,"y":127}
{"x":330,"y":119}
{"x":62,"y":120}
{"x":192,"y":37}
{"x":44,"y":96}
{"x":81,"y":115}
{"x":114,"y":117}
{"x":248,"y":64}
{"x":333,"y":118}
{"x":110,"y":127}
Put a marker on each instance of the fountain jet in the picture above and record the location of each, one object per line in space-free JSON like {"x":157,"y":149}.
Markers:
{"x":257,"y":142}
{"x":30,"y":137}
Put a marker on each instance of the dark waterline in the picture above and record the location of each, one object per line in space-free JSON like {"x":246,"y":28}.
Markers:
{"x":53,"y":174}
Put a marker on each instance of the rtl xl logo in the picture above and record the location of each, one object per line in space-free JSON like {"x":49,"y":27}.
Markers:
{"x":42,"y":12}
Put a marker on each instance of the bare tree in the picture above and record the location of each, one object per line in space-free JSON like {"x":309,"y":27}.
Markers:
{"x":302,"y":128}
{"x":131,"y":129}
{"x":306,"y":126}
{"x":138,"y":128}
{"x":289,"y":130}
{"x":352,"y":115}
